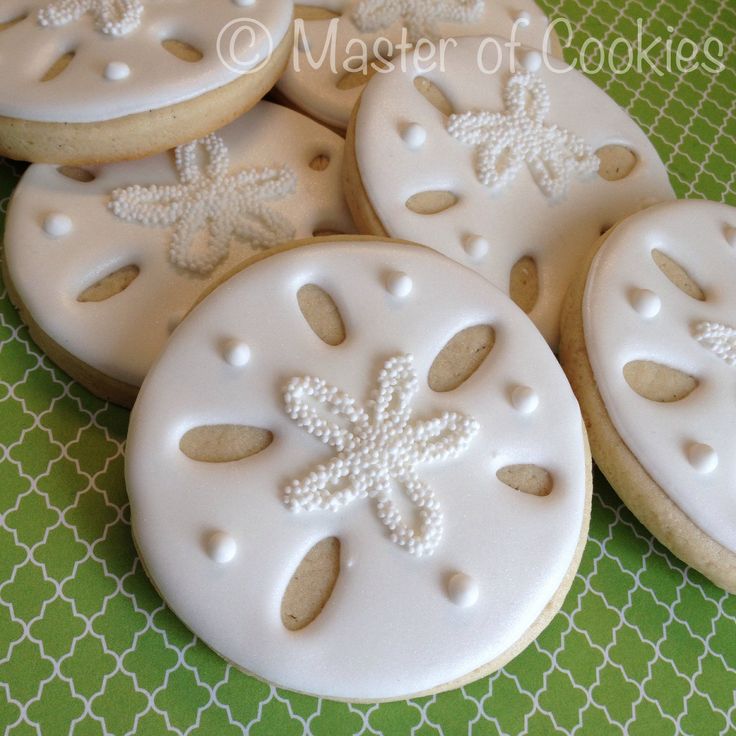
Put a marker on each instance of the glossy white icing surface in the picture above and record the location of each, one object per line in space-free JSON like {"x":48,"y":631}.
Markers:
{"x":315,"y":90}
{"x":396,"y":623}
{"x":519,"y":220}
{"x":113,"y":76}
{"x":686,"y":446}
{"x":122,"y":335}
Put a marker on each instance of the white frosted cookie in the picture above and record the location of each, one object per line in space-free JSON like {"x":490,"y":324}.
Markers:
{"x":649,"y":343}
{"x":498,"y":171}
{"x":93,"y":81}
{"x":329,"y":90}
{"x":105,"y":261}
{"x":384,"y":477}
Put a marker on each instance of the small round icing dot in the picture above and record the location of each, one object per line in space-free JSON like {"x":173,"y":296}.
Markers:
{"x":523,"y":19}
{"x":221,"y":547}
{"x":414,"y":135}
{"x":57,"y":225}
{"x":702,"y":457}
{"x":524,"y":399}
{"x":477,"y":247}
{"x":462,"y":590}
{"x":731,"y":236}
{"x":399,"y":284}
{"x":236,"y":353}
{"x":531,"y":61}
{"x":117,"y":70}
{"x":646,"y":303}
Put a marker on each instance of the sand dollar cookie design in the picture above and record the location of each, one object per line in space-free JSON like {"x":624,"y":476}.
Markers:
{"x":513,"y":172}
{"x":649,"y":343}
{"x":351,"y":457}
{"x":93,"y":81}
{"x":329,"y":90}
{"x":105,"y":261}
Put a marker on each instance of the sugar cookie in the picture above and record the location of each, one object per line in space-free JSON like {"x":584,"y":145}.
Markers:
{"x":103,"y":262}
{"x":346,"y":516}
{"x":94,"y":81}
{"x":505,"y":179}
{"x":649,"y":343}
{"x":329,"y":90}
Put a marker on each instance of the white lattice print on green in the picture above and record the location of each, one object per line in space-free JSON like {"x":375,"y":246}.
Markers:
{"x":86,"y":646}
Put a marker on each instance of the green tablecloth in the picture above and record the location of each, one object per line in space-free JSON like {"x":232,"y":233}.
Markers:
{"x":642,"y":646}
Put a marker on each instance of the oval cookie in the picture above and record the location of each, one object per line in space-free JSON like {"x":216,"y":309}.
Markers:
{"x":328,"y":90}
{"x":104,"y":261}
{"x":345,"y":516}
{"x":649,"y":343}
{"x":93,"y":81}
{"x":499,"y":170}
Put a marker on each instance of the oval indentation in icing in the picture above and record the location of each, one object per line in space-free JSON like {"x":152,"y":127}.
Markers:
{"x":77,"y":173}
{"x":524,"y":283}
{"x":658,"y":382}
{"x":182,"y":50}
{"x":59,"y":66}
{"x":224,"y":443}
{"x":431,"y":202}
{"x":360,"y":77}
{"x":433,"y":94}
{"x":617,"y":162}
{"x":530,"y":479}
{"x":111,"y":285}
{"x":311,"y":585}
{"x":320,"y":162}
{"x":5,"y":24}
{"x":678,"y":275}
{"x":321,"y":313}
{"x":461,"y":357}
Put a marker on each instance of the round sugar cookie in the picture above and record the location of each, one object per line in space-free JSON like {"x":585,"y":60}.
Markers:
{"x":328,"y":90}
{"x":95,"y":81}
{"x":377,"y":492}
{"x":499,"y":171}
{"x":649,"y":344}
{"x":104,"y":262}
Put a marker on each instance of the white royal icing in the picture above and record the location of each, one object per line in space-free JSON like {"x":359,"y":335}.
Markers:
{"x":229,"y":205}
{"x":315,"y":90}
{"x":718,"y":338}
{"x":518,"y":218}
{"x":110,"y":36}
{"x":421,"y":18}
{"x":122,"y":336}
{"x":686,"y":446}
{"x":519,"y":135}
{"x":112,"y":17}
{"x":396,"y":623}
{"x":379,"y":448}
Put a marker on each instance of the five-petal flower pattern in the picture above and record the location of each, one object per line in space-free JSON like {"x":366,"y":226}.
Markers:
{"x":378,"y":448}
{"x":229,"y":205}
{"x":419,"y":17}
{"x":720,"y":339}
{"x":112,"y":17}
{"x":507,"y":140}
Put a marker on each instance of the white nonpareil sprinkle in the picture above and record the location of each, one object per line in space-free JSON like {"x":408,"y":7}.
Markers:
{"x":228,"y":205}
{"x":419,"y":17}
{"x":112,"y":17}
{"x":519,"y":135}
{"x":378,"y":449}
{"x":718,"y":338}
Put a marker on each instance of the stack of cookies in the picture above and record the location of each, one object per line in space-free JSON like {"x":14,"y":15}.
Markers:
{"x":355,"y":465}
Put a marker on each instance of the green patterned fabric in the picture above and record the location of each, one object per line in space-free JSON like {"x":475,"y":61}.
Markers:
{"x":643,"y":646}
